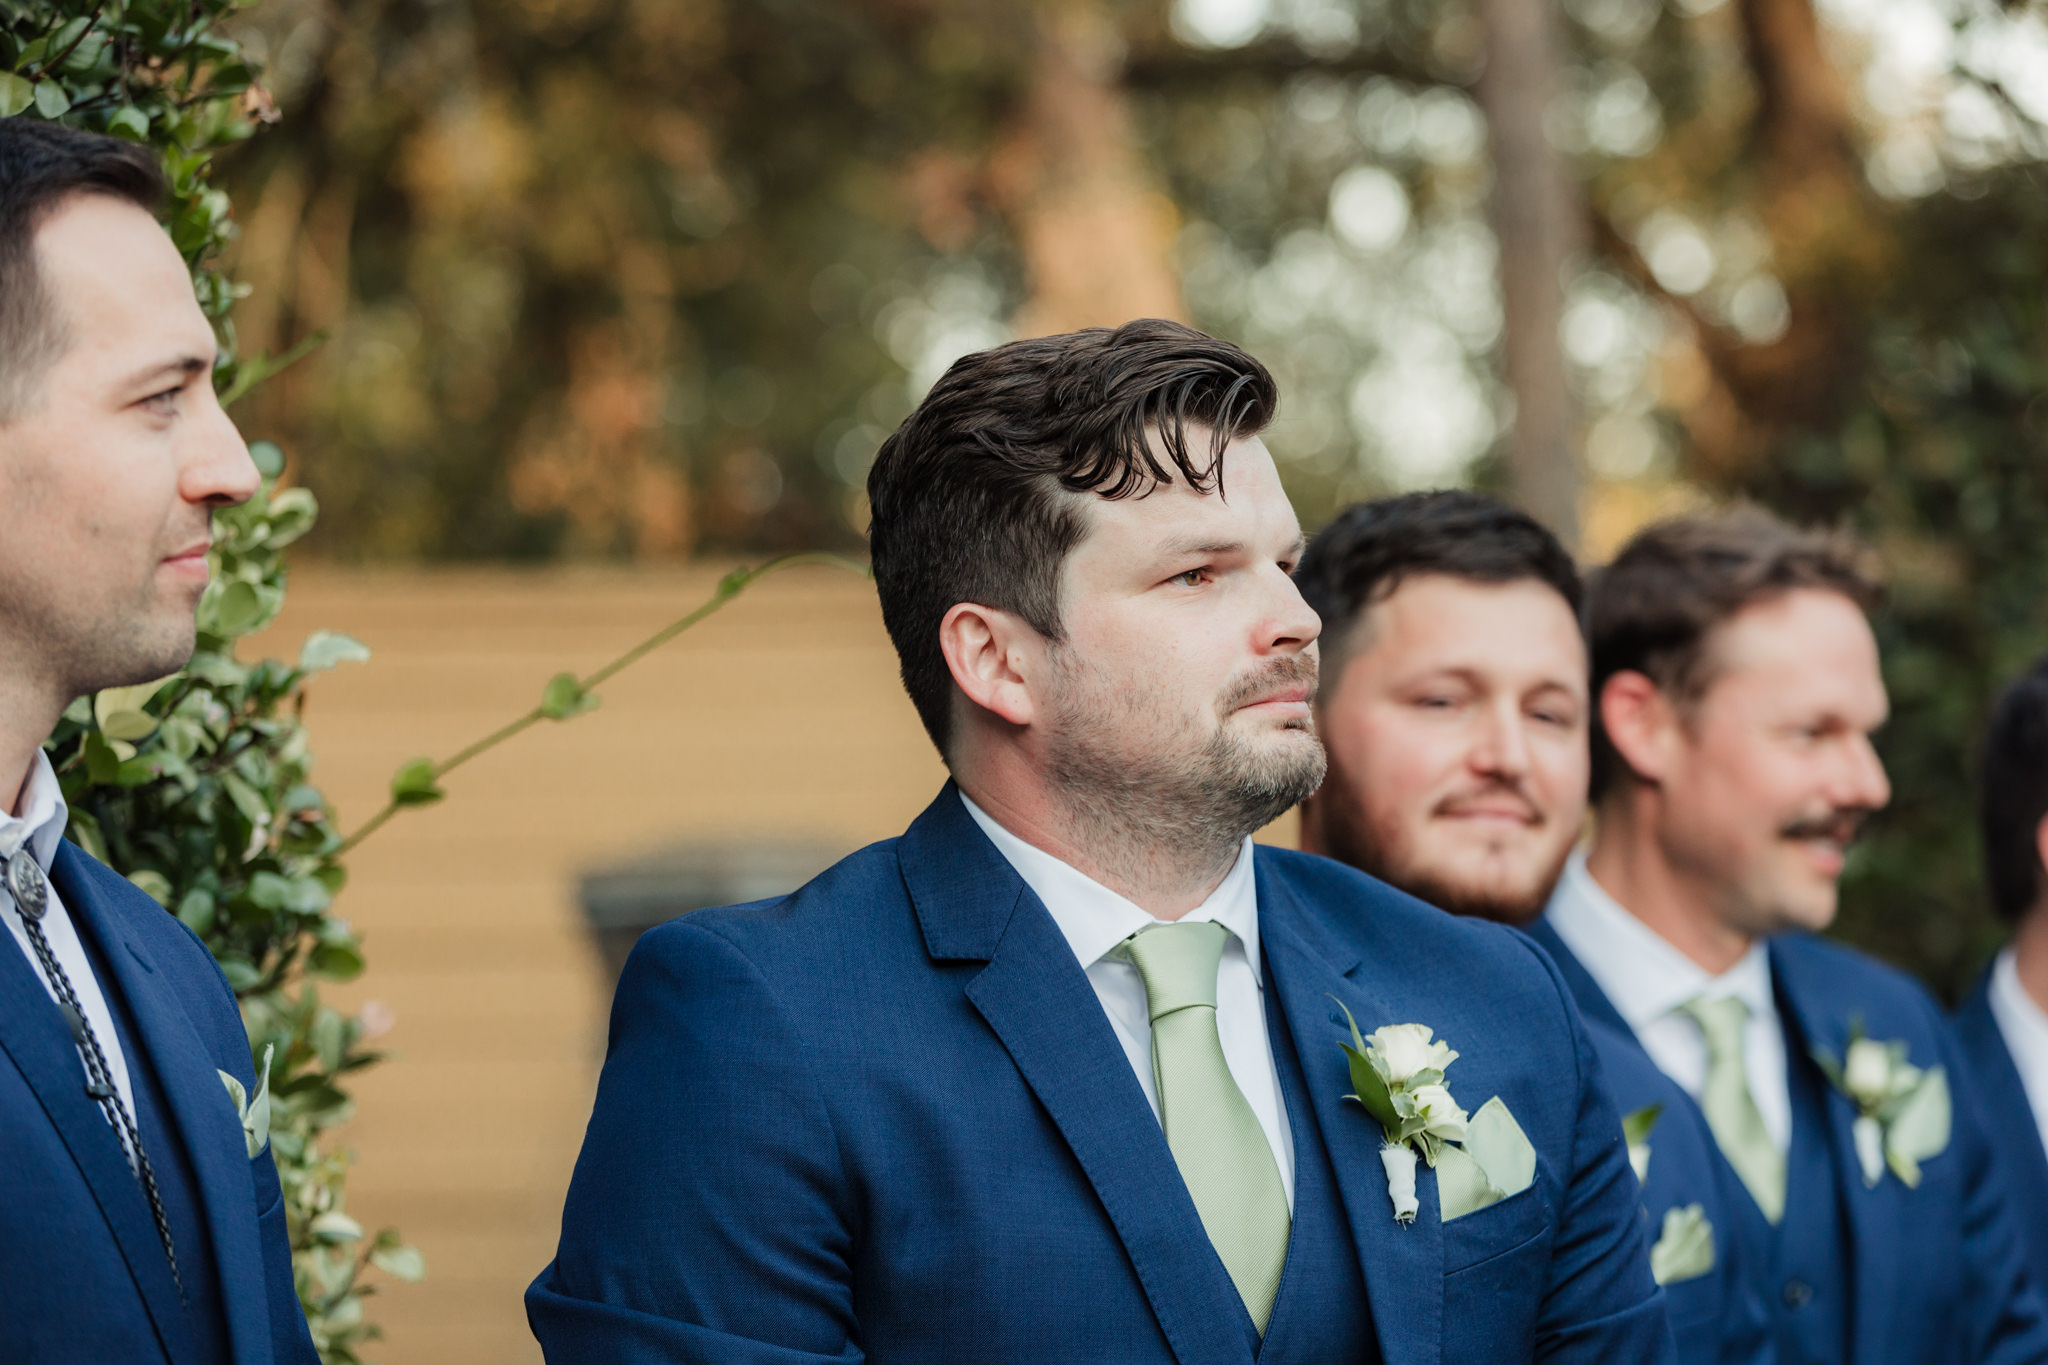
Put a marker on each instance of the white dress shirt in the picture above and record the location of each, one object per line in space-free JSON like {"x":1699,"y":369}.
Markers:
{"x":1648,"y":980}
{"x":35,"y":833}
{"x":1094,"y":919}
{"x":2025,"y":1026}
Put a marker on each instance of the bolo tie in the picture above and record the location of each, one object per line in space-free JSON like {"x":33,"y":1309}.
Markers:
{"x":31,"y":892}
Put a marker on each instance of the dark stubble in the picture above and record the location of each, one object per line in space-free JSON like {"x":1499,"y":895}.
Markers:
{"x":1145,"y":788}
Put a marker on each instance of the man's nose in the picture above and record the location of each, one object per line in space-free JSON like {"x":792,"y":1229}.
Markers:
{"x":1863,"y":781}
{"x":1503,"y":747}
{"x":217,"y":470}
{"x":1290,"y":623}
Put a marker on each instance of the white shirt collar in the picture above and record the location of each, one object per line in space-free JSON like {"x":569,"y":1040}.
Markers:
{"x":1094,"y":919}
{"x":1643,"y":974}
{"x":40,"y":826}
{"x":2024,"y":1025}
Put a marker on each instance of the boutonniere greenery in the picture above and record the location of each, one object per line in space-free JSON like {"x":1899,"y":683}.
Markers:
{"x":1902,"y":1112}
{"x":254,"y":1113}
{"x":1397,"y":1076}
{"x":1635,"y":1129}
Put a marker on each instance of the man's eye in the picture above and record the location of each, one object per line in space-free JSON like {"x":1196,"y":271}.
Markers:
{"x":1193,"y":578}
{"x":164,"y":404}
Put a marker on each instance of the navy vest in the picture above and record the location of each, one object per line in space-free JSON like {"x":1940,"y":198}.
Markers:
{"x":1321,"y":1316}
{"x":179,"y":1187}
{"x":1807,"y":1256}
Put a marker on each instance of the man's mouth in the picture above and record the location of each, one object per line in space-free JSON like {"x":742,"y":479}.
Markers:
{"x":191,"y":559}
{"x":1826,"y":840}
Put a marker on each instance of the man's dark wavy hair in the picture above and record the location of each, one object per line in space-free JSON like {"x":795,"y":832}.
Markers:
{"x":1359,"y":559}
{"x":2013,"y":793}
{"x":41,"y":164}
{"x":980,"y":495}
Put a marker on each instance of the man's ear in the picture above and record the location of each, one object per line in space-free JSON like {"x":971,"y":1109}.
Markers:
{"x":987,"y":653}
{"x":1640,"y":723}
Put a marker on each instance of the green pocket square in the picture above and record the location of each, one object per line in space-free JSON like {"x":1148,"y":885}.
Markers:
{"x":1685,"y":1248}
{"x":1495,"y":1162}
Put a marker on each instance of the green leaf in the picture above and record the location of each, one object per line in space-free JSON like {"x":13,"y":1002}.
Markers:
{"x":129,"y":122}
{"x":152,"y":884}
{"x":1637,"y":1125}
{"x":230,"y":609}
{"x":268,"y":457}
{"x":16,"y":94}
{"x":51,"y":101}
{"x":196,"y":911}
{"x":414,"y":784}
{"x":335,"y":1226}
{"x":402,"y":1262}
{"x":564,"y":697}
{"x":326,"y":648}
{"x":102,"y":764}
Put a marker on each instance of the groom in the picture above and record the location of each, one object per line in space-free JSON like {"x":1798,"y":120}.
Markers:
{"x":1057,"y":1075}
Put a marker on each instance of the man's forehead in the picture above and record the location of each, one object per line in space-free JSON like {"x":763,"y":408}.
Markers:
{"x":117,"y":280}
{"x":1515,"y":625}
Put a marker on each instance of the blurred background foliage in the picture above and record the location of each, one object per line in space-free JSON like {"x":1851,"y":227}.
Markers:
{"x":650,"y":278}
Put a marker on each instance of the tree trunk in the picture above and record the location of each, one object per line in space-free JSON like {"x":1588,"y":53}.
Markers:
{"x":1538,"y":217}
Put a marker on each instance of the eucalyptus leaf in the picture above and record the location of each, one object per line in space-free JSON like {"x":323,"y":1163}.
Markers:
{"x":414,"y":784}
{"x":324,"y":649}
{"x":16,"y":94}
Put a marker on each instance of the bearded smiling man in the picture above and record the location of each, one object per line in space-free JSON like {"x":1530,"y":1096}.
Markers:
{"x":1736,"y":690}
{"x":1453,"y":704}
{"x":1059,"y":1075}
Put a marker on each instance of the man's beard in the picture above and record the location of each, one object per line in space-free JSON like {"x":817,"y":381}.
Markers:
{"x":1352,"y":835}
{"x":1174,"y":793}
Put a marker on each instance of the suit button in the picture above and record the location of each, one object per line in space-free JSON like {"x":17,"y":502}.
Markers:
{"x":1798,"y":1293}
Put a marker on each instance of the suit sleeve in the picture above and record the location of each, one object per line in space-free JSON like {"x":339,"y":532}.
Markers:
{"x":707,"y":1220}
{"x":1600,"y":1304}
{"x":2004,"y":1315}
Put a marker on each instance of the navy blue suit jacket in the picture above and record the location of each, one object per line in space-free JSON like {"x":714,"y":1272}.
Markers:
{"x":1935,"y":1273}
{"x":2014,"y":1130}
{"x":886,"y":1118}
{"x":82,"y":1274}
{"x":1717,"y":1318}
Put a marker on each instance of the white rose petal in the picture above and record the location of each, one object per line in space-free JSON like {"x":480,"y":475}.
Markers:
{"x":1400,"y":1164}
{"x":1440,"y":1113}
{"x":1867,"y":1074}
{"x":1404,"y":1049}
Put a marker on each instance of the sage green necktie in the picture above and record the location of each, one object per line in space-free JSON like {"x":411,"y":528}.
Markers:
{"x":1731,"y":1110}
{"x":1215,"y":1138}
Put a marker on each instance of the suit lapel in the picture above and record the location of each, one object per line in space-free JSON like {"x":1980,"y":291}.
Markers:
{"x":33,"y":1034}
{"x":1034,"y":995}
{"x":1403,"y":1264}
{"x":1877,"y":1218}
{"x":199,"y":1105}
{"x":1593,"y":1002}
{"x":2002,"y":1096}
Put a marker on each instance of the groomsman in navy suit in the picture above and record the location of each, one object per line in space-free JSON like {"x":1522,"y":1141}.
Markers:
{"x":135,"y":1224}
{"x":2004,"y":1023}
{"x":1453,"y":706}
{"x":1737,"y":686}
{"x":1059,"y":1075}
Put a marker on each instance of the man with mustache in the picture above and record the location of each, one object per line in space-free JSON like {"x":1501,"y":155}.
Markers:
{"x":140,"y":1221}
{"x":1736,"y":690}
{"x":1453,"y":705}
{"x":1059,"y":1075}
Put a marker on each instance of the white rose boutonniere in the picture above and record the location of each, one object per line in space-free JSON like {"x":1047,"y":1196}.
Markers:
{"x":1397,"y":1076}
{"x":1903,"y":1113}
